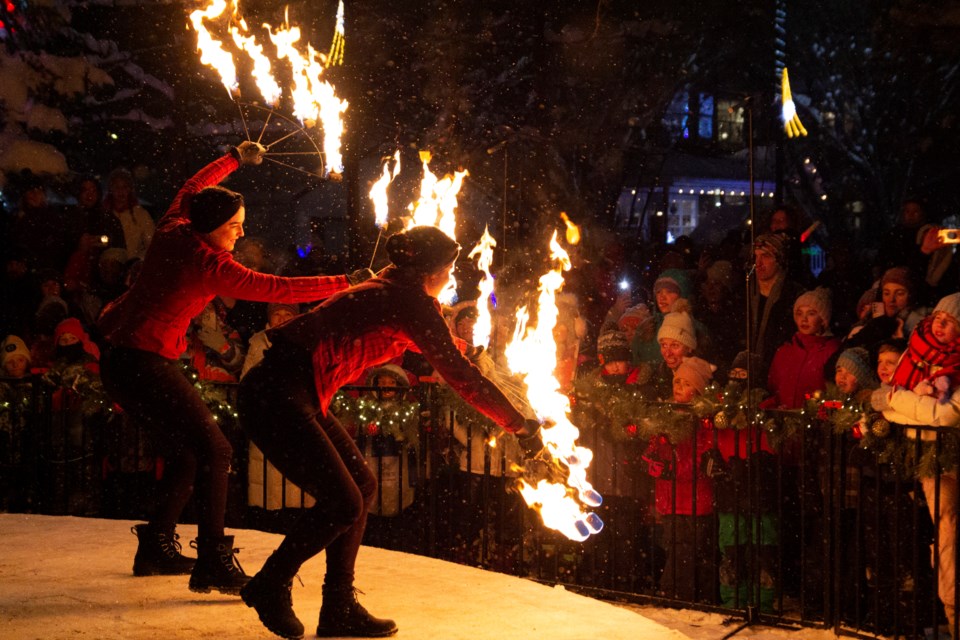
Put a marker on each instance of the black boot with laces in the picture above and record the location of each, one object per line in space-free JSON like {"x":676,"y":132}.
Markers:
{"x":273,"y":602}
{"x":217,"y":567}
{"x":158,"y":553}
{"x":342,"y":615}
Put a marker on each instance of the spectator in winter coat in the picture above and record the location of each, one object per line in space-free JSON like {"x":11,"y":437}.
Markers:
{"x":613,"y":352}
{"x":284,"y":402}
{"x":854,"y":376}
{"x":672,"y":285}
{"x":797,"y":369}
{"x":14,"y":358}
{"x":189,"y":263}
{"x":677,"y":338}
{"x":919,"y":407}
{"x":121,"y":201}
{"x":684,"y":497}
{"x":772,"y":295}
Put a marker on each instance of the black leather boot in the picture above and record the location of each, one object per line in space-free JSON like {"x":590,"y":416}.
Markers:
{"x":341,"y":615}
{"x":158,"y":553}
{"x":217,"y":567}
{"x":273,"y":602}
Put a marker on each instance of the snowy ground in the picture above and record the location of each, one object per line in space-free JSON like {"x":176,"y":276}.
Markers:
{"x":65,"y":577}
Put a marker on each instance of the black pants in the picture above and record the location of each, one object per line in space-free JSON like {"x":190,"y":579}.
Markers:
{"x":153,"y":391}
{"x":280,"y":412}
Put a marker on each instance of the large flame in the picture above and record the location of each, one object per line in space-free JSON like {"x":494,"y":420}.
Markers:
{"x":262,"y":71}
{"x":378,"y":192}
{"x":533,"y":354}
{"x":211,"y":50}
{"x":313,"y":98}
{"x":437,"y":207}
{"x":484,"y":253}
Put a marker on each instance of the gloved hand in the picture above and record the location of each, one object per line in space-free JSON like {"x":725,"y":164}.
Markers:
{"x":880,"y":398}
{"x":529,"y":438}
{"x":360,"y":275}
{"x":250,"y":152}
{"x":712,"y":464}
{"x":473,"y":353}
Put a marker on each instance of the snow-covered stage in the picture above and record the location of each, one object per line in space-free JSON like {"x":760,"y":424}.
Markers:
{"x":66,"y":577}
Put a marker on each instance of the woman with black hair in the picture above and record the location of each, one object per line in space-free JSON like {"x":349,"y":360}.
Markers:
{"x":283,"y":405}
{"x":188,"y":263}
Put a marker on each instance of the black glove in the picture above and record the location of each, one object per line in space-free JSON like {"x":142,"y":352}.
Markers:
{"x":360,"y":275}
{"x":712,"y":464}
{"x":250,"y":152}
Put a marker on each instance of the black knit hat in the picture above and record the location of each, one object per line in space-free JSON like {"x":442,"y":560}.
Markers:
{"x":212,"y":207}
{"x":423,"y":249}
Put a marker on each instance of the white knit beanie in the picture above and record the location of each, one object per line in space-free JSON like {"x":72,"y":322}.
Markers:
{"x":819,"y":299}
{"x":950,"y":305}
{"x":678,"y":326}
{"x":13,"y":346}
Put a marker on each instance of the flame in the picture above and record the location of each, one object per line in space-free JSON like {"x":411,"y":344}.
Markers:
{"x":484,"y":253}
{"x":573,"y":231}
{"x":211,"y":49}
{"x":436,"y":207}
{"x":262,"y":72}
{"x":533,"y":354}
{"x":378,"y":192}
{"x":313,"y":99}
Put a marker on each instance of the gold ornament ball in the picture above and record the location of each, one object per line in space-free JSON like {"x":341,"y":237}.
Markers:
{"x":880,"y":428}
{"x":720,"y":421}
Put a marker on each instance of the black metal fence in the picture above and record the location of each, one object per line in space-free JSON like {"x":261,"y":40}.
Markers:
{"x":821,"y":532}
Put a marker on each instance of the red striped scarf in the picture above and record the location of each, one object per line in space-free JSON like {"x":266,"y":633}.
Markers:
{"x":926,"y":357}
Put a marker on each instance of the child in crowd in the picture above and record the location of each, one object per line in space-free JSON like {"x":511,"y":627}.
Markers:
{"x":74,"y":347}
{"x":613,"y":352}
{"x":797,"y":369}
{"x":924,"y":391}
{"x":931,"y":364}
{"x":854,"y":375}
{"x":684,"y":497}
{"x":14,"y":358}
{"x":634,"y":319}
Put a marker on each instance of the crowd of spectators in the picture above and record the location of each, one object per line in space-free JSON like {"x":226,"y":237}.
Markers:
{"x":882,"y":332}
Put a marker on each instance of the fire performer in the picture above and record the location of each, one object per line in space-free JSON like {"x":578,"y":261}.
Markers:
{"x":188,"y":263}
{"x":283,"y":405}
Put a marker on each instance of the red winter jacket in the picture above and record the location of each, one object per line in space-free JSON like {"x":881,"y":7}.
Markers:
{"x":797,"y":369}
{"x":686,"y":457}
{"x":182,"y":273}
{"x":378,"y":320}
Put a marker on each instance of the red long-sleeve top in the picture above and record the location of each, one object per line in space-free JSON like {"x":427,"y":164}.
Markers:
{"x":378,"y":320}
{"x":182,"y":273}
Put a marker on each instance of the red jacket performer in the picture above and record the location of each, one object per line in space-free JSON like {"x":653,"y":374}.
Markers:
{"x":283,"y":408}
{"x":187,"y":264}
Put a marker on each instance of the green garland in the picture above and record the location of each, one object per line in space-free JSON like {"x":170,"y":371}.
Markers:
{"x":83,"y":382}
{"x":399,"y":420}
